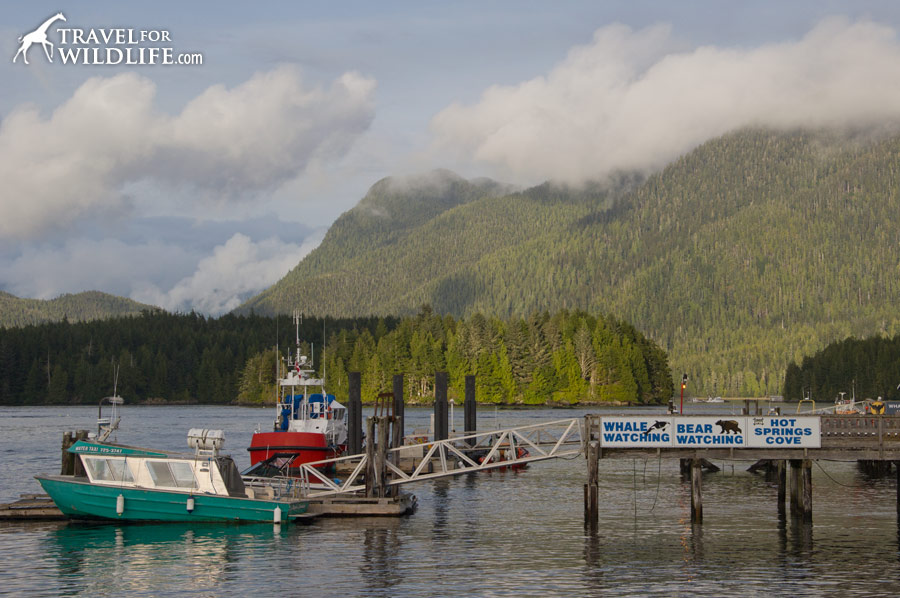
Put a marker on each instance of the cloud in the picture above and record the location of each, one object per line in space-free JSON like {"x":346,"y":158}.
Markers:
{"x":83,"y":264}
{"x":635,"y":100}
{"x":234,"y":272}
{"x":174,"y":277}
{"x":225,"y":144}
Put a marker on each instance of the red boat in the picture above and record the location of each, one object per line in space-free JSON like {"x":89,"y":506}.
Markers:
{"x":310,"y":425}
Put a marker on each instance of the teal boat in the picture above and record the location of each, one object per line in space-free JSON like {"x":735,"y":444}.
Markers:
{"x":126,"y":483}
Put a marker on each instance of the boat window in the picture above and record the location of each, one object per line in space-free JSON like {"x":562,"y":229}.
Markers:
{"x":120,"y":470}
{"x":183,"y":474}
{"x":176,"y":474}
{"x":109,"y":470}
{"x":159,"y":471}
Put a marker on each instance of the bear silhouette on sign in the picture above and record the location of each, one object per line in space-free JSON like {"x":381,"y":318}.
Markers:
{"x":728,"y":426}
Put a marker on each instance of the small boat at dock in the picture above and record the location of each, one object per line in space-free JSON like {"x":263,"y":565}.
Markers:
{"x":124,"y":483}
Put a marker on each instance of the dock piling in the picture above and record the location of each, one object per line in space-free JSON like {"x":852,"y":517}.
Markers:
{"x":592,"y":488}
{"x":68,"y":459}
{"x":440,"y":406}
{"x":469,"y":407}
{"x":801,"y":489}
{"x":781,"y":476}
{"x":398,"y":431}
{"x":696,"y":491}
{"x":354,"y":414}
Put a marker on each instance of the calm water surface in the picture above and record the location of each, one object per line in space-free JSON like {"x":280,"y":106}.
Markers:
{"x":489,"y":534}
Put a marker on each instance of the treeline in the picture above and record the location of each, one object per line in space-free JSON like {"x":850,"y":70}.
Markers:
{"x":564,"y":358}
{"x":162,"y":357}
{"x":868,"y":367}
{"x":78,"y":307}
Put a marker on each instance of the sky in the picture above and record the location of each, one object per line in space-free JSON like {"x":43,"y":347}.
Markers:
{"x":195,"y":186}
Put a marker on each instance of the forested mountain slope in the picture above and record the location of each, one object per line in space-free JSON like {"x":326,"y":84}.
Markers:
{"x":750,"y":252}
{"x":89,"y":305}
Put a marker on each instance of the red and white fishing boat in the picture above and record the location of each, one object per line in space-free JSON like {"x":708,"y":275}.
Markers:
{"x":310,"y":425}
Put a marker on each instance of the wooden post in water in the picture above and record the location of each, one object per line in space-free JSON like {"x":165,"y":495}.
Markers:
{"x":440,"y":406}
{"x":469,"y":424}
{"x":781,"y":475}
{"x":354,"y":414}
{"x":796,"y":483}
{"x":381,"y":450}
{"x":806,"y":497}
{"x":592,"y":488}
{"x":897,"y":467}
{"x":67,"y":463}
{"x":398,"y":431}
{"x":371,"y":468}
{"x":696,"y":491}
{"x":77,"y":465}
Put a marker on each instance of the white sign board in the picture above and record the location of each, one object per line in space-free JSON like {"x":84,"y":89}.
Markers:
{"x":636,"y":432}
{"x":785,"y":432}
{"x":711,"y":432}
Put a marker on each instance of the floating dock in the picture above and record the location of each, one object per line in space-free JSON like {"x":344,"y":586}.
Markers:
{"x":31,"y":507}
{"x":40,"y":507}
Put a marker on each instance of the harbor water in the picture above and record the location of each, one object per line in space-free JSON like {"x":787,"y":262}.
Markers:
{"x":506,"y":533}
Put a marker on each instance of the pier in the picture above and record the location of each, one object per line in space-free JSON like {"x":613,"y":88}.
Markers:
{"x":368,"y":481}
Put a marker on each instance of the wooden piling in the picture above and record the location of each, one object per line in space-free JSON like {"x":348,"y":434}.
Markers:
{"x":398,"y":431}
{"x":696,"y":491}
{"x":441,"y":422}
{"x":354,"y":414}
{"x":68,"y":459}
{"x":897,"y":467}
{"x":592,"y":488}
{"x":801,"y":489}
{"x":469,"y":407}
{"x":806,"y":496}
{"x":795,"y":487}
{"x":78,"y":465}
{"x":371,"y":468}
{"x":381,"y":456}
{"x":781,"y":476}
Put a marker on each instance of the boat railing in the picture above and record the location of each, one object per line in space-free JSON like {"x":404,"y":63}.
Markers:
{"x":277,"y":488}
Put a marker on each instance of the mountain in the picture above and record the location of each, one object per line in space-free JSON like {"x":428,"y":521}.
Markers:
{"x":89,"y":305}
{"x":744,"y":255}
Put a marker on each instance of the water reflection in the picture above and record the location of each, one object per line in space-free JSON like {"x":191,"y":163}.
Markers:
{"x":380,"y":567}
{"x":593,"y":563}
{"x":441,"y":491}
{"x":130,"y":558}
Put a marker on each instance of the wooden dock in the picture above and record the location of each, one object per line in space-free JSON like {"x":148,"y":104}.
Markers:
{"x":31,"y":507}
{"x":871,"y":440}
{"x":40,"y":507}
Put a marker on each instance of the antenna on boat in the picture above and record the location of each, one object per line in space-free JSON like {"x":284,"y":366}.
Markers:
{"x":297,"y":319}
{"x":323,"y":348}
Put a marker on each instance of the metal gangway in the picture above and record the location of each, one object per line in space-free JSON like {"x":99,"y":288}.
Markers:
{"x":443,"y":458}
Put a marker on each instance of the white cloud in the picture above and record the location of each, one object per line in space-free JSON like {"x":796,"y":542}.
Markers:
{"x":633,"y":100}
{"x":83,"y":264}
{"x":234,"y":272}
{"x":226,"y":144}
{"x":156,"y":272}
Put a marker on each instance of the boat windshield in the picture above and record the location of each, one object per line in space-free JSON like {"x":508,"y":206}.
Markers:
{"x":108,"y":470}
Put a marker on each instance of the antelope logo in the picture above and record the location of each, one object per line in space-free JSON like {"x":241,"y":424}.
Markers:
{"x":39,"y":36}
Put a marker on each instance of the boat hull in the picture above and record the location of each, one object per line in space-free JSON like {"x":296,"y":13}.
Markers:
{"x":307,"y":446}
{"x":78,"y":498}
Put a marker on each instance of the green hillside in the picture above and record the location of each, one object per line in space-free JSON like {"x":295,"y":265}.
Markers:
{"x":80,"y":307}
{"x":746,"y":254}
